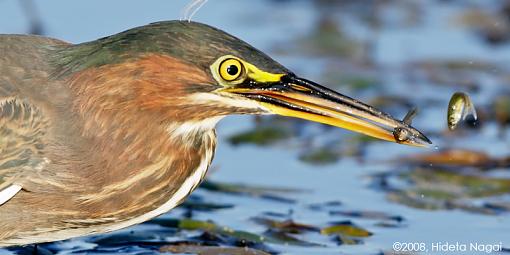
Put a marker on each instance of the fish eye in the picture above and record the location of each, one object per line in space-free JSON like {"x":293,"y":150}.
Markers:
{"x":231,"y":69}
{"x":401,"y":134}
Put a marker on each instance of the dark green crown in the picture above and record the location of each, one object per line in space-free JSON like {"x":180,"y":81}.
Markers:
{"x":196,"y":43}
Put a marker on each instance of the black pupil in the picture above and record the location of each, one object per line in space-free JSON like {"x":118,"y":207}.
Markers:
{"x":232,"y":70}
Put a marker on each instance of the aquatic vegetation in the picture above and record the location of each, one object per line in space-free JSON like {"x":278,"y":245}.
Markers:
{"x":373,"y":215}
{"x":456,"y":158}
{"x":209,"y":226}
{"x":458,"y":184}
{"x":436,"y":188}
{"x":287,"y":226}
{"x":243,"y":188}
{"x":210,"y":250}
{"x":196,"y":203}
{"x":346,"y":228}
{"x":320,"y":156}
{"x":261,"y":136}
{"x":328,"y":39}
{"x":272,"y":235}
{"x":501,"y":109}
{"x":493,"y":27}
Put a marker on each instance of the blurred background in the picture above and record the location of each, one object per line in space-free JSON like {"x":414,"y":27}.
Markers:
{"x":285,"y":186}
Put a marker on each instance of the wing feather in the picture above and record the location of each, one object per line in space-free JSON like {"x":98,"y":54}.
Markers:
{"x":26,"y":94}
{"x":22,"y":132}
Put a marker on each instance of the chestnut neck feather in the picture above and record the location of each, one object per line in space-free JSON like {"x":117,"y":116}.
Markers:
{"x":124,"y":110}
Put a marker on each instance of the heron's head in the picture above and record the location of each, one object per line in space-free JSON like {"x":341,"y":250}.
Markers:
{"x":187,"y":71}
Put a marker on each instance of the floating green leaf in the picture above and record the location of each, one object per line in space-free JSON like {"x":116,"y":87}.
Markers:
{"x":287,"y":226}
{"x":189,"y":224}
{"x":346,"y":229}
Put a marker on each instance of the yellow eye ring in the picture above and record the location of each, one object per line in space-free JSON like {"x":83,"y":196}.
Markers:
{"x":231,"y":69}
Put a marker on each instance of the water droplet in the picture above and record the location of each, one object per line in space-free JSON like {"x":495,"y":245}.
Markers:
{"x":436,"y":147}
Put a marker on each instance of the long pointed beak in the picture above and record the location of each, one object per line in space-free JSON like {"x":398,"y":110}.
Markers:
{"x":296,"y":97}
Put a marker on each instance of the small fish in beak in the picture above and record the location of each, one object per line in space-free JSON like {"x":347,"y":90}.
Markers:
{"x":401,"y":134}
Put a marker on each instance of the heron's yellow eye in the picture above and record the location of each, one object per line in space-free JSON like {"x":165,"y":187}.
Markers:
{"x":231,"y":69}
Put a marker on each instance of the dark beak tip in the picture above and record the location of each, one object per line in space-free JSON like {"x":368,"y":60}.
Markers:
{"x":426,"y":139}
{"x":422,"y":140}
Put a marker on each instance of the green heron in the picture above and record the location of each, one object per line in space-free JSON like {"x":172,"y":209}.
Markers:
{"x":102,"y":135}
